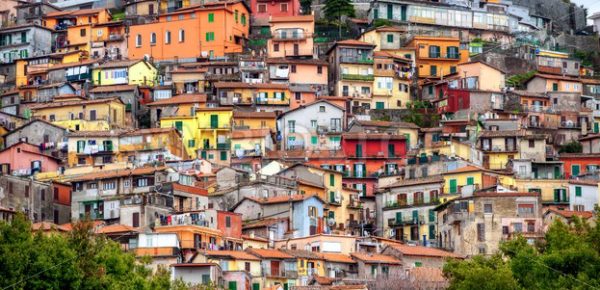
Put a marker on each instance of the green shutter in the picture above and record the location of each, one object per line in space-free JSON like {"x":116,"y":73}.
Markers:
{"x":415,"y":215}
{"x":205,"y":279}
{"x":286,"y":286}
{"x":390,"y":38}
{"x":470,"y":180}
{"x":358,"y":150}
{"x":398,"y":217}
{"x":179,"y":125}
{"x":331,"y":196}
{"x":80,"y":146}
{"x":556,"y":195}
{"x":391,"y":150}
{"x":452,"y":69}
{"x":431,"y":215}
{"x":232,"y":285}
{"x":555,"y":87}
{"x":375,"y":13}
{"x":255,"y":286}
{"x":380,"y":105}
{"x":314,"y":140}
{"x":453,"y":187}
{"x":390,"y":11}
{"x":574,"y":170}
{"x":211,"y":17}
{"x":407,"y":137}
{"x":596,"y":128}
{"x":403,"y":12}
{"x":432,"y":232}
{"x":214,"y":121}
{"x":577,"y":190}
{"x":191,"y":143}
{"x":223,"y":155}
{"x":331,"y":179}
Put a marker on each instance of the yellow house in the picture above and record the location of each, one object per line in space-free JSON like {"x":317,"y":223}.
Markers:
{"x":93,"y":147}
{"x":547,"y":187}
{"x":384,"y":37}
{"x":208,"y":130}
{"x":189,"y":78}
{"x":254,"y":120}
{"x":550,"y":53}
{"x":82,"y":115}
{"x":308,"y":263}
{"x":235,"y":261}
{"x":454,"y":180}
{"x":252,"y":241}
{"x":252,"y":142}
{"x":74,"y":28}
{"x":240,"y":93}
{"x":391,"y":85}
{"x":437,"y":56}
{"x":131,"y":72}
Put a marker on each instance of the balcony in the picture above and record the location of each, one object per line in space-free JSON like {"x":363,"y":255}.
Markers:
{"x":326,"y":129}
{"x":79,"y":77}
{"x":457,"y":217}
{"x":357,"y":77}
{"x":289,"y":36}
{"x":356,"y":59}
{"x":407,"y":221}
{"x":298,"y":52}
{"x":539,"y":109}
{"x":271,"y":101}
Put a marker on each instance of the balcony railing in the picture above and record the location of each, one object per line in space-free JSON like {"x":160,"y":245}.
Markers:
{"x":357,"y":77}
{"x":407,"y":221}
{"x":356,"y":59}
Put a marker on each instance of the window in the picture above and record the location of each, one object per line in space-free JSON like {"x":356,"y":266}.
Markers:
{"x":531,"y":143}
{"x":168,"y":37}
{"x":390,"y":38}
{"x":211,"y":17}
{"x":452,"y":52}
{"x":276,"y":47}
{"x":191,"y":143}
{"x":126,"y":183}
{"x":110,"y":185}
{"x":227,"y":221}
{"x":319,"y":69}
{"x":480,"y":232}
{"x":293,"y":68}
{"x":524,"y":209}
{"x":223,"y":155}
{"x":82,"y":32}
{"x":243,"y":19}
{"x":56,"y":193}
{"x":292,"y":126}
{"x":433,"y":72}
{"x":518,"y":227}
{"x":210,"y":36}
{"x":577,"y":190}
{"x":152,"y":38}
{"x":313,"y":123}
{"x":487,"y":208}
{"x":298,"y":96}
{"x":181,"y":35}
{"x":322,"y":109}
{"x":235,"y":16}
{"x":247,"y":266}
{"x":434,"y":51}
{"x":138,"y":40}
{"x":142,"y":182}
{"x":262,"y":8}
{"x":284,"y":7}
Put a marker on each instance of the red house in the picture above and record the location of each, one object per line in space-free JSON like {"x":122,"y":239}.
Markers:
{"x":262,"y":10}
{"x":370,"y":155}
{"x":26,"y":159}
{"x":230,"y":224}
{"x":576,"y":164}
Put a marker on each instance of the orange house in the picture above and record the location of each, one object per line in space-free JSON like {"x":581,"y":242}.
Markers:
{"x":74,"y":28}
{"x":437,"y":56}
{"x":291,"y":36}
{"x":211,"y":29}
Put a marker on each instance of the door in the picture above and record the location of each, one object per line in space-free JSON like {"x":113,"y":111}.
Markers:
{"x":99,"y":76}
{"x":453,"y":186}
{"x":596,"y":128}
{"x":151,"y":9}
{"x":574,"y":170}
{"x":556,"y":172}
{"x":486,"y":161}
{"x":135,"y":219}
{"x":296,"y":49}
{"x":232,"y":285}
{"x":403,"y":12}
{"x":470,"y":180}
{"x":214,"y":121}
{"x":390,"y":11}
{"x":275,"y":268}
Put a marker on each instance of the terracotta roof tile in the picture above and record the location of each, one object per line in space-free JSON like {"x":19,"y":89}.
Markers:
{"x":371,"y":258}
{"x":250,"y":133}
{"x":241,"y":85}
{"x":469,"y":168}
{"x":416,"y":181}
{"x":570,"y":213}
{"x":298,"y":18}
{"x":190,"y":189}
{"x":119,"y":64}
{"x":116,"y":173}
{"x":282,"y":198}
{"x":111,"y":133}
{"x":46,"y":226}
{"x":372,"y":136}
{"x":181,"y":99}
{"x":556,"y":77}
{"x":301,"y":154}
{"x":263,"y":223}
{"x":282,"y":60}
{"x":354,"y":42}
{"x":502,"y":133}
{"x":337,"y":258}
{"x":322,"y":280}
{"x":269,"y":253}
{"x":117,"y":228}
{"x":387,"y":28}
{"x":72,"y":103}
{"x":387,"y":124}
{"x":303,"y":254}
{"x":236,"y":255}
{"x":241,"y":114}
{"x":115,"y":88}
{"x":422,"y":251}
{"x":255,"y":238}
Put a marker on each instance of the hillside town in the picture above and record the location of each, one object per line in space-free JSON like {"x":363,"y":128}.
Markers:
{"x":298,"y":144}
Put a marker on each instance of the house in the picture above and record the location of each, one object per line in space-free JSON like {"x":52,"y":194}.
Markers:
{"x":24,"y":159}
{"x":567,"y":217}
{"x":498,"y":147}
{"x":467,"y":178}
{"x":198,"y":273}
{"x":351,"y":71}
{"x":258,"y":234}
{"x":42,"y":201}
{"x":292,"y":36}
{"x":304,"y":211}
{"x":309,"y":264}
{"x":263,"y":11}
{"x":576,"y":164}
{"x":558,"y":65}
{"x":37,"y":132}
{"x":186,"y":198}
{"x":418,"y":256}
{"x":267,"y":96}
{"x":392,"y":81}
{"x":241,"y":270}
{"x":437,"y":56}
{"x":164,"y":248}
{"x":189,"y":78}
{"x":409,"y":130}
{"x":339,"y":266}
{"x":278,"y":267}
{"x":254,"y":120}
{"x":219,"y":27}
{"x":73,"y":72}
{"x":253,"y":69}
{"x":249,"y":145}
{"x":373,"y":266}
{"x":93,"y":147}
{"x":128,"y":72}
{"x":583,"y":195}
{"x":109,"y":41}
{"x":142,"y":11}
{"x":180,"y":105}
{"x":475,"y":224}
{"x":405,"y":209}
{"x":321,"y":130}
{"x":540,"y":112}
{"x":48,"y":92}
{"x":479,"y":75}
{"x":102,"y":114}
{"x":73,"y":28}
{"x":148,"y":146}
{"x":128,"y":94}
{"x":24,"y":40}
{"x":545,"y":83}
{"x":33,"y":12}
{"x":307,"y":78}
{"x":385,"y":37}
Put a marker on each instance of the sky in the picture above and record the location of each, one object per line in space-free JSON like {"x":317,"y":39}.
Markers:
{"x":593,"y":6}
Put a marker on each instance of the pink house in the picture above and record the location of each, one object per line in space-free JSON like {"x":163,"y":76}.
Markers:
{"x":26,"y":159}
{"x":262,"y":10}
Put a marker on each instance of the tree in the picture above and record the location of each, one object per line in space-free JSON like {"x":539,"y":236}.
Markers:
{"x":571,"y":147}
{"x":335,"y":9}
{"x":306,"y":6}
{"x":79,"y":260}
{"x":480,"y":273}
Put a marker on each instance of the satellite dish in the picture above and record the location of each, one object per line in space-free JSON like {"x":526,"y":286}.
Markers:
{"x":330,"y":222}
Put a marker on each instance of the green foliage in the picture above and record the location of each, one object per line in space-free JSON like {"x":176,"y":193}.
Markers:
{"x":335,"y":9}
{"x":415,"y":114}
{"x":518,"y":80}
{"x":306,"y":6}
{"x":381,"y":22}
{"x":568,"y":259}
{"x":571,"y":147}
{"x":79,"y":260}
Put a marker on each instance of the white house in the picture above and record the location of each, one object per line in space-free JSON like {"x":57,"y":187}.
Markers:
{"x":317,"y":125}
{"x":583,"y":195}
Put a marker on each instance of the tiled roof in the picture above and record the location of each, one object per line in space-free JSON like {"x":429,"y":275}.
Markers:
{"x":181,"y":99}
{"x":556,"y":77}
{"x":242,"y":85}
{"x":250,"y":133}
{"x":505,"y":194}
{"x":301,"y":154}
{"x":372,"y":258}
{"x":119,"y":64}
{"x":73,"y":103}
{"x":111,"y":133}
{"x":484,"y":63}
{"x":303,"y":254}
{"x":427,"y":275}
{"x":146,"y":131}
{"x":117,"y":228}
{"x":298,"y":18}
{"x":337,"y":258}
{"x":387,"y":28}
{"x":502,"y":133}
{"x":117,"y":173}
{"x":584,"y":182}
{"x":469,"y":168}
{"x":591,"y":81}
{"x":416,"y":181}
{"x":282,"y":198}
{"x":323,"y":280}
{"x":255,"y":238}
{"x":263,"y":223}
{"x":527,"y":94}
{"x":46,"y":226}
{"x":372,"y":136}
{"x":240,"y":114}
{"x":571,"y":213}
{"x":110,"y":89}
{"x":282,"y":60}
{"x":422,"y":251}
{"x":74,"y":12}
{"x":269,"y":253}
{"x":354,"y":42}
{"x":190,"y":189}
{"x":388,"y":54}
{"x":73,"y":64}
{"x":237,"y":255}
{"x":387,"y":124}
